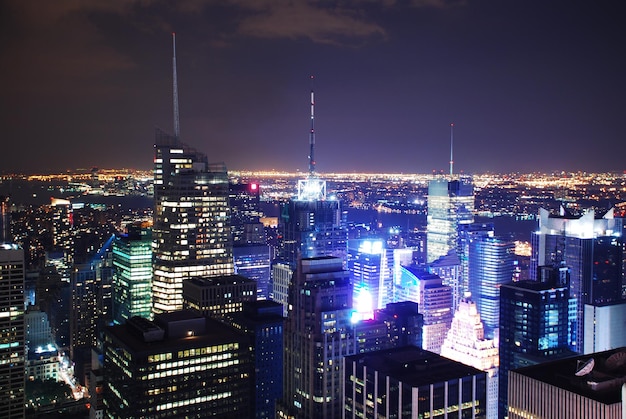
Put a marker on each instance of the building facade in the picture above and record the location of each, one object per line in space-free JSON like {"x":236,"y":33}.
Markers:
{"x":409,"y":382}
{"x":12,"y":334}
{"x":179,"y":365}
{"x":132,"y":274}
{"x":191,"y":232}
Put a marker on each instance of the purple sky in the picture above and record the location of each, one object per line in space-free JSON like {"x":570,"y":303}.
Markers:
{"x":530,"y":85}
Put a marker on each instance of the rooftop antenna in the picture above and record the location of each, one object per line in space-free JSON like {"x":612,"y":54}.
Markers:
{"x":176,"y":120}
{"x":451,"y":148}
{"x":312,"y":134}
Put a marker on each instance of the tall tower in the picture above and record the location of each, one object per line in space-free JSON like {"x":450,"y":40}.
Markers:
{"x":310,"y":225}
{"x":317,"y":337}
{"x":490,"y":264}
{"x":132,"y":277}
{"x":12,"y":334}
{"x":450,"y":204}
{"x":591,"y":247}
{"x":191,"y":233}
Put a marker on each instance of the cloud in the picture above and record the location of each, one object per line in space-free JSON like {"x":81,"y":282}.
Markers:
{"x":337,"y":24}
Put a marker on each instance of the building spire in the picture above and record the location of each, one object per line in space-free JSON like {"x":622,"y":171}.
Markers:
{"x":312,"y":133}
{"x":451,"y":149}
{"x":175,"y":77}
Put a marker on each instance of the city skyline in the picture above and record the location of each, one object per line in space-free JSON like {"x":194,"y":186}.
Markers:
{"x":88,"y":82}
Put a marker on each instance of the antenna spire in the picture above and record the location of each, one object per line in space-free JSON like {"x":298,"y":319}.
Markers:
{"x":175,"y":77}
{"x":312,"y":134}
{"x":451,"y":148}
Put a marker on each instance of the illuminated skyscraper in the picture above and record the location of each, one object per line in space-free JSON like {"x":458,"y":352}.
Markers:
{"x":533,"y":324}
{"x":179,"y":365}
{"x":466,"y":343}
{"x":434,"y":302}
{"x":12,"y":335}
{"x":371,"y":267}
{"x":191,"y":232}
{"x":317,"y":337}
{"x":311,"y":225}
{"x":490,"y":264}
{"x":592,"y":248}
{"x":132,"y":274}
{"x":450,"y":204}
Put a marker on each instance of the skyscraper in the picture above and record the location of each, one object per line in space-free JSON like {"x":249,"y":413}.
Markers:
{"x":434,"y":301}
{"x":592,"y":248}
{"x":317,"y":337}
{"x":533,"y":324}
{"x":191,"y":233}
{"x":450,"y":204}
{"x":179,"y":365}
{"x":310,"y":226}
{"x":466,"y":343}
{"x":132,"y":274}
{"x":490,"y":264}
{"x":12,"y":335}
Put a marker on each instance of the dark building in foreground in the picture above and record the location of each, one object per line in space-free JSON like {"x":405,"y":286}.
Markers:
{"x":219,"y":296}
{"x":179,"y":365}
{"x":262,"y":321}
{"x":533,"y":324}
{"x":585,"y":386}
{"x":409,"y":382}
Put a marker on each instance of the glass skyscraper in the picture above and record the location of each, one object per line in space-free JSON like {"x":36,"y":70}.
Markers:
{"x":132,"y":274}
{"x":591,"y":247}
{"x":450,"y":203}
{"x":191,"y":233}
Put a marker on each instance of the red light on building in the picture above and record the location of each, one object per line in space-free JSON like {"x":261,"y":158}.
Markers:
{"x":254,"y":186}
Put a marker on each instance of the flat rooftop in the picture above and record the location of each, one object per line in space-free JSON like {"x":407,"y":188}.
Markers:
{"x":414,"y":366}
{"x":600,"y":375}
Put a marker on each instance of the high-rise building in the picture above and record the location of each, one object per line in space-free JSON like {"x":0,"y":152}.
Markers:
{"x":179,"y":365}
{"x":490,"y":264}
{"x":5,"y":220}
{"x":434,"y":302}
{"x":132,"y":274}
{"x":604,"y":327}
{"x":590,"y":386}
{"x":317,"y":337}
{"x":191,"y":231}
{"x":371,"y":267}
{"x":244,"y":201}
{"x":310,"y":226}
{"x":466,"y":343}
{"x":592,"y":248}
{"x":534,"y":319}
{"x":450,"y":204}
{"x":410,"y":382}
{"x":263,"y":322}
{"x":218,"y":296}
{"x":12,"y":334}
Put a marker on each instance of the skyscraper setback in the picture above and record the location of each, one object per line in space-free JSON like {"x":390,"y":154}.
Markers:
{"x":191,"y":234}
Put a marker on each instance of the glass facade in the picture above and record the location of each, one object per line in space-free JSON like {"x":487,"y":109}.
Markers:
{"x":191,"y":233}
{"x":132,"y":275}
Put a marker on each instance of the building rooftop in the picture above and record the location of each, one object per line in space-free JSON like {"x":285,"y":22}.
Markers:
{"x":598,"y":376}
{"x":414,"y":366}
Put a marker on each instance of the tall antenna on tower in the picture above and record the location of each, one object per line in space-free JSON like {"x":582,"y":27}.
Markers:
{"x":451,"y":149}
{"x":176,"y":120}
{"x":312,"y":134}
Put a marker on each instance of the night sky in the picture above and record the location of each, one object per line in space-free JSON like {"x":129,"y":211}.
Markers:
{"x":531,"y":85}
